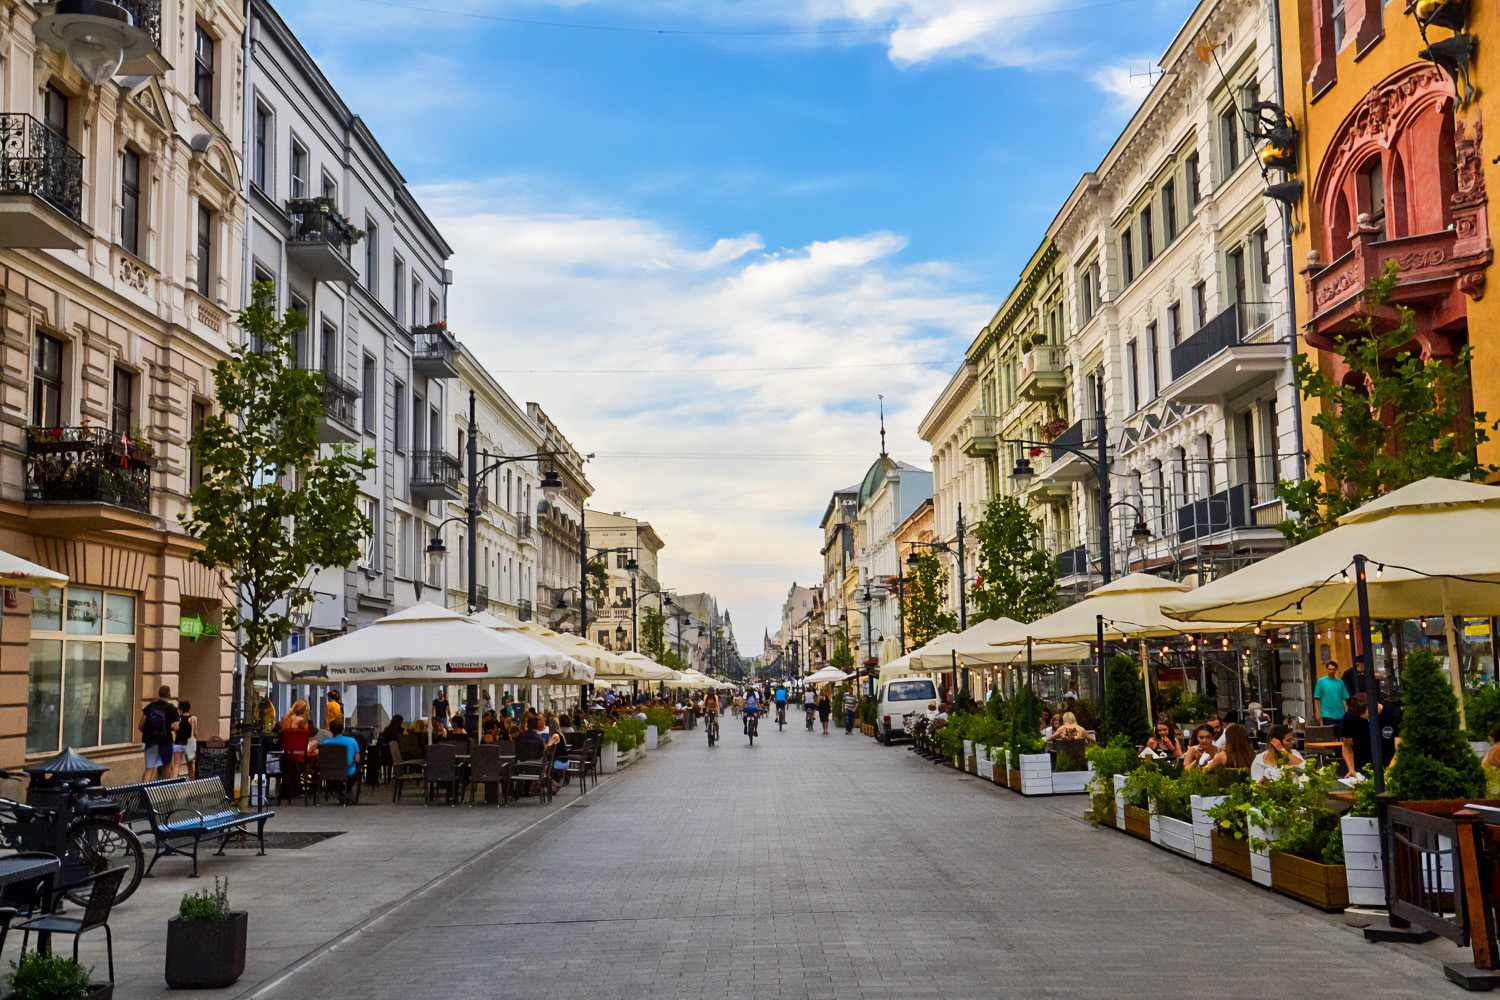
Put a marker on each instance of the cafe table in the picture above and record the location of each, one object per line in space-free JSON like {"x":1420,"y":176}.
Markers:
{"x":20,"y":869}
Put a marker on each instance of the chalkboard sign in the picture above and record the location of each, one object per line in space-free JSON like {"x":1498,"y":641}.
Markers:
{"x":218,"y":762}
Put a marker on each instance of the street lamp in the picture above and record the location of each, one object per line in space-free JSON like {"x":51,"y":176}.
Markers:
{"x":620,"y":635}
{"x":97,"y":36}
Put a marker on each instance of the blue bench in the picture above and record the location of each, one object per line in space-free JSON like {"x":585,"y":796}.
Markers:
{"x":192,"y":810}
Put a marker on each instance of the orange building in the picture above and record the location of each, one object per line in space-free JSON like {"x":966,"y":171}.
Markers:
{"x":1391,"y":161}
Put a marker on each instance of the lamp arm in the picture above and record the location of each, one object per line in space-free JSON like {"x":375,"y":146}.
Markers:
{"x":512,"y":458}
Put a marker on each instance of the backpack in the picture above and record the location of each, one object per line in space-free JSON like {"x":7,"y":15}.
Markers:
{"x":156,"y":729}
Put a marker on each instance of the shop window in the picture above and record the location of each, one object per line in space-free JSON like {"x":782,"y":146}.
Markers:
{"x":83,"y":661}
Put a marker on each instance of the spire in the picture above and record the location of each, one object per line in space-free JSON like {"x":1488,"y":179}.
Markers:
{"x":882,"y":426}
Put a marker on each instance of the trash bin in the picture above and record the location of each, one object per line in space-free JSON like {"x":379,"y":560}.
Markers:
{"x":49,"y":789}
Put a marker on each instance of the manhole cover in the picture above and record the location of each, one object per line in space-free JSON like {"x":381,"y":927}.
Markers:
{"x":284,"y":841}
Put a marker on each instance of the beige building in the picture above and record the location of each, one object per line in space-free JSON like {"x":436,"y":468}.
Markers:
{"x":559,"y":530}
{"x":120,"y":232}
{"x":629,"y":550}
{"x":961,"y":481}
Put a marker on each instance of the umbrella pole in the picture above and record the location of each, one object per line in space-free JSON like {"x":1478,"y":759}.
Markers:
{"x":1146,"y":684}
{"x":1372,"y":687}
{"x":1028,"y":661}
{"x":1456,"y":667}
{"x":1099,"y":662}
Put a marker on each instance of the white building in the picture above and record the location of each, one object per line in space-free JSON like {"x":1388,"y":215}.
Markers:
{"x":890,"y":493}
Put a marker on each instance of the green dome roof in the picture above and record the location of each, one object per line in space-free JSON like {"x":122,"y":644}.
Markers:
{"x":882,"y":467}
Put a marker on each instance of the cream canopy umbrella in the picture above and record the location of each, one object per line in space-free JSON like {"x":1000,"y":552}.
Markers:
{"x":649,"y":668}
{"x":827,"y":675}
{"x":1432,"y":549}
{"x":18,"y":572}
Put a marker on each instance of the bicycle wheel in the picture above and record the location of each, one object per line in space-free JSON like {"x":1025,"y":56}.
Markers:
{"x":96,"y":845}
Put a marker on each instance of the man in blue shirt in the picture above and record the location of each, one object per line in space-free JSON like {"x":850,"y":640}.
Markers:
{"x":750,"y":710}
{"x":338,"y":739}
{"x":1330,"y":696}
{"x":781,"y":702}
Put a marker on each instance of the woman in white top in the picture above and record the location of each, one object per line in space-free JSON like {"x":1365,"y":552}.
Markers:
{"x":1267,"y":766}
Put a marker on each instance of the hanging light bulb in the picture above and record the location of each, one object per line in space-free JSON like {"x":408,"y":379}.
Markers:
{"x":1225,"y":642}
{"x":1424,"y":623}
{"x":1379,"y":571}
{"x":1346,"y":576}
{"x":97,"y":35}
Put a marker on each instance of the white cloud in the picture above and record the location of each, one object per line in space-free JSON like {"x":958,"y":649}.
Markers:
{"x":1126,"y":82}
{"x":538,"y":289}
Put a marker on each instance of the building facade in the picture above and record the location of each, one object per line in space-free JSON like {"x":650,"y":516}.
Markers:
{"x":629,"y":550}
{"x":889,"y":494}
{"x":961,"y":432}
{"x":841,"y":622}
{"x":121,"y":223}
{"x":559,"y":530}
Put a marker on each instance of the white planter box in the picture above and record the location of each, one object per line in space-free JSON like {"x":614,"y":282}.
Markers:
{"x":1260,"y":863}
{"x":968,"y":749}
{"x":609,"y":758}
{"x":651,"y":738}
{"x":1071,"y":782}
{"x":1036,"y":774}
{"x":1120,"y":801}
{"x":982,"y":752}
{"x":1363,"y":860}
{"x":1203,"y":827}
{"x":986,"y":769}
{"x":1173,"y":834}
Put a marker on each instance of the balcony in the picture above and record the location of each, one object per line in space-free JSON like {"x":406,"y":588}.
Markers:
{"x":339,"y":423}
{"x":1219,"y":361}
{"x":435,"y":354}
{"x":434,"y":476}
{"x":319,"y":241}
{"x":482,"y":597}
{"x":87,"y":473}
{"x":1247,"y":505}
{"x":523,"y":610}
{"x":145,"y":15}
{"x":523,"y":525}
{"x":1041,"y":375}
{"x":981,"y":436}
{"x":41,"y":187}
{"x":1066,"y":466}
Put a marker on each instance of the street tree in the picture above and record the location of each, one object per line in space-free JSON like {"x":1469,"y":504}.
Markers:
{"x":1393,"y":419}
{"x":1017,"y":578}
{"x":926,"y":590}
{"x":653,"y":634}
{"x":842,"y":656}
{"x":273,"y":506}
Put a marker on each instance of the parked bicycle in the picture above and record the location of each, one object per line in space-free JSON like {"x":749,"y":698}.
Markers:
{"x":91,"y":841}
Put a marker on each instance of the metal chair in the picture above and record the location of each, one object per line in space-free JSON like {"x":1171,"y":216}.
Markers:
{"x":533,"y":771}
{"x":293,"y":761}
{"x":441,"y":769}
{"x":403,"y":770}
{"x":579,"y":759}
{"x":95,"y":914}
{"x":486,"y":768}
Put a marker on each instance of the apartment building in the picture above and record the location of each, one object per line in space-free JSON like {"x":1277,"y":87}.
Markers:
{"x":961,"y":432}
{"x":629,"y":550}
{"x":559,"y":530}
{"x":889,"y":494}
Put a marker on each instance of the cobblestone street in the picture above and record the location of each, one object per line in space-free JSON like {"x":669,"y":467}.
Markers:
{"x":829,"y":867}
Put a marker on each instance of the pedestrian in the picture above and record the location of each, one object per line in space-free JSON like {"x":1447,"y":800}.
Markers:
{"x":487,"y":706}
{"x":441,"y":711}
{"x":825,"y":709}
{"x":185,"y":741}
{"x":157,"y":721}
{"x":1330,"y":696}
{"x":850,"y":704}
{"x":333,"y":711}
{"x":1355,"y":734}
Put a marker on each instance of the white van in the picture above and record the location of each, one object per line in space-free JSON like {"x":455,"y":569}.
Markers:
{"x":900,"y":698}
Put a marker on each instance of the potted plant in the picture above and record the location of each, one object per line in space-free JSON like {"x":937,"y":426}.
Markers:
{"x":1137,"y":790}
{"x":1110,"y":764}
{"x":206,"y":941}
{"x":1307,"y":854}
{"x":39,"y":976}
{"x":1052,"y":428}
{"x":1231,"y":836}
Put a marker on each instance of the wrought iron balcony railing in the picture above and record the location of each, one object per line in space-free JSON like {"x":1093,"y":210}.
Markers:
{"x":87,"y":465}
{"x":145,"y":15}
{"x":316,"y":222}
{"x":434,"y":474}
{"x":339,"y":399}
{"x":434,"y":351}
{"x":523,"y":525}
{"x":37,"y":161}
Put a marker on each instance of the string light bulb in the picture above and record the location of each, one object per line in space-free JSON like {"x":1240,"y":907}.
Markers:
{"x":1379,"y":570}
{"x":1346,"y":576}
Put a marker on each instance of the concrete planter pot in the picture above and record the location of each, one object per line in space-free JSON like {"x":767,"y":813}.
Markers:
{"x":609,"y":758}
{"x":1364,"y":867}
{"x":1323,"y":886}
{"x":206,"y":954}
{"x":1172,"y":834}
{"x":1036,"y":774}
{"x":1203,"y":827}
{"x":651,"y":738}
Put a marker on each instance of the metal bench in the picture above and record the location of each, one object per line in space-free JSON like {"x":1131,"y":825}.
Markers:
{"x":134,"y":808}
{"x":192,"y":810}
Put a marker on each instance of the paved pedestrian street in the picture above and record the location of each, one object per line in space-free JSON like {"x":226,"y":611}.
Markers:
{"x":812,"y":866}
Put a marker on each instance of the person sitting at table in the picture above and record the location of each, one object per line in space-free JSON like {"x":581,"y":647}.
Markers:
{"x":1069,"y":729}
{"x":1047,"y":726}
{"x":456,"y":727}
{"x":336,"y":738}
{"x":1162,"y":744}
{"x":393,"y":729}
{"x":492,"y":732}
{"x":297,"y":716}
{"x":1267,"y":766}
{"x":533,"y":735}
{"x":1217,"y":726}
{"x":1203,"y":751}
{"x":1492,"y":755}
{"x":1257,"y":722}
{"x":1237,"y":751}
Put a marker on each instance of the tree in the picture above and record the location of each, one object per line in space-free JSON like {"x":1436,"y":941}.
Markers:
{"x":842,"y":657}
{"x":1394,"y":419}
{"x":1017,"y":578}
{"x":273,"y":507}
{"x":669,"y":658}
{"x":1434,"y":760}
{"x":926,"y":589}
{"x":1124,"y":702}
{"x":597,"y":582}
{"x":653,"y":634}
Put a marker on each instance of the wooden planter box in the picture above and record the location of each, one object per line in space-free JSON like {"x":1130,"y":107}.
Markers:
{"x":1013,"y":778}
{"x":1137,"y":822}
{"x":973,"y":765}
{"x":1230,"y":855}
{"x":1323,"y":886}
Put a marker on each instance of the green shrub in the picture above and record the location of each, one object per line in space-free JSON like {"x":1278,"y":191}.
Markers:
{"x":662,"y":718}
{"x":1124,"y":702}
{"x":1482,"y":710}
{"x":1026,"y":722}
{"x":1364,"y":794}
{"x":950,"y":739}
{"x":1152,"y":785}
{"x":1194,"y":707}
{"x":1435,"y":761}
{"x":996,"y":706}
{"x":1117,"y":757}
{"x":1086,"y":712}
{"x":206,"y":904}
{"x":1295,"y":808}
{"x":35,"y":976}
{"x":1232,"y":816}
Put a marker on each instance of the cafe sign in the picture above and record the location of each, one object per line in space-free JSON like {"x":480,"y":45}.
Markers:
{"x":194,"y":626}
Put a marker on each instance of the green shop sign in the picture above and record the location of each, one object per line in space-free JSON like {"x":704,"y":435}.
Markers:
{"x":193,"y":626}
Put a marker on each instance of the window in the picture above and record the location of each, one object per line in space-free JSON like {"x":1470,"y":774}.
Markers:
{"x":1174,"y":323}
{"x":81,"y":691}
{"x":398,"y":287}
{"x":1148,"y":243}
{"x":1169,"y":211}
{"x":1263,"y":246}
{"x":299,"y":170}
{"x":122,"y":410}
{"x":1087,"y":297}
{"x":203,"y":70}
{"x":1127,"y":257}
{"x":260,"y":147}
{"x":1200,"y":306}
{"x":1195,"y":191}
{"x":330,"y":187}
{"x":1336,"y":15}
{"x":403,"y":545}
{"x":1153,"y":360}
{"x":205,"y":250}
{"x":1229,"y":138}
{"x":418,"y":428}
{"x":1372,"y":196}
{"x":372,"y":255}
{"x":55,"y":111}
{"x":398,"y":402}
{"x":371,"y":396}
{"x":371,"y":510}
{"x":195,"y":467}
{"x":328,"y":357}
{"x":262,"y":276}
{"x":130,"y":201}
{"x":1132,"y":376}
{"x":46,"y":382}
{"x":433,"y":315}
{"x":416,"y":300}
{"x":619,"y":560}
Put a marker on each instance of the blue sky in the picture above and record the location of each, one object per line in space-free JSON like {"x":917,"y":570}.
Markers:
{"x":712,"y":188}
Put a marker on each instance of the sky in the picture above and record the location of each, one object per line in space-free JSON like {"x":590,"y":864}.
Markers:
{"x":707,"y":235}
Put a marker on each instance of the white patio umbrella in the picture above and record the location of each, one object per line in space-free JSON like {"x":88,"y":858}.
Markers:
{"x":827,"y":675}
{"x":427,"y":644}
{"x":18,"y":572}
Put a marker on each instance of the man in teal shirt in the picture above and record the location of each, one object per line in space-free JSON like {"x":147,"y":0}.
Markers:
{"x":1329,"y":696}
{"x":351,"y":749}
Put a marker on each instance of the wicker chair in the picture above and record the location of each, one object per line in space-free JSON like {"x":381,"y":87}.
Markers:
{"x":486,"y":768}
{"x":441,"y":769}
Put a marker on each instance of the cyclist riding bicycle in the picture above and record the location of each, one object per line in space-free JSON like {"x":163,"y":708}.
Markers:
{"x":781,"y":703}
{"x":750,"y":710}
